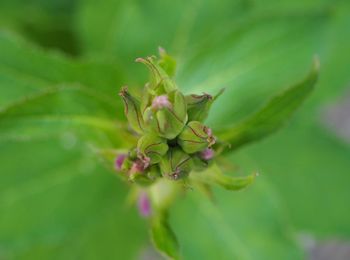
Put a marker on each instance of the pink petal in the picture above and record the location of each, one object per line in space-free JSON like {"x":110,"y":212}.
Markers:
{"x":207,"y":154}
{"x":119,"y":161}
{"x":160,"y":102}
{"x":144,"y":205}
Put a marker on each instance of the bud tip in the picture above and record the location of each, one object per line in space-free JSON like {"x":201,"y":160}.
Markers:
{"x":123,"y":91}
{"x":119,"y":161}
{"x":140,"y":60}
{"x":144,"y":205}
{"x":161,"y":51}
{"x":207,"y":154}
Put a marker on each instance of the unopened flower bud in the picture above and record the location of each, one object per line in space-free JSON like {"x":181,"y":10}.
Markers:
{"x":166,"y":115}
{"x":138,"y":171}
{"x":202,"y":159}
{"x":161,"y":81}
{"x":198,"y":106}
{"x":135,"y":162}
{"x":132,"y":111}
{"x":195,"y":137}
{"x":176,"y":165}
{"x":153,"y":172}
{"x":152,"y":147}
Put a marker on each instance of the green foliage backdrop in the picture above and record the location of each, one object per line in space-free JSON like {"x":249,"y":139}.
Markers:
{"x":61,"y":66}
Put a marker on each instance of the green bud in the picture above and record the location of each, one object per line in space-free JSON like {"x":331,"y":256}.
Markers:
{"x":154,"y":173}
{"x":195,"y":137}
{"x":153,"y":147}
{"x":198,"y":106}
{"x":132,"y":111}
{"x":147,"y":97}
{"x":176,"y":165}
{"x":166,"y":115}
{"x":161,"y":82}
{"x":133,"y":153}
{"x":203,"y":159}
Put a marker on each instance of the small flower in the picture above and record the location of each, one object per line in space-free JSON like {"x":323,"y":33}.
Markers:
{"x":209,"y":132}
{"x":144,"y":205}
{"x":145,"y":161}
{"x":139,"y":172}
{"x":195,"y":137}
{"x":203,"y":159}
{"x":140,"y":165}
{"x":119,"y":161}
{"x":207,"y":154}
{"x":136,"y":168}
{"x":160,"y":102}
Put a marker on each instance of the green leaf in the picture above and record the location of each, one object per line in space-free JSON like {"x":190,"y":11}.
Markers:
{"x":306,"y":165}
{"x":167,"y":62}
{"x":57,"y":201}
{"x":260,"y":53}
{"x":163,"y":237}
{"x":60,"y":110}
{"x":37,"y":105}
{"x":213,"y":175}
{"x":243,"y":225}
{"x":47,"y":23}
{"x":273,"y":115}
{"x":21,"y":61}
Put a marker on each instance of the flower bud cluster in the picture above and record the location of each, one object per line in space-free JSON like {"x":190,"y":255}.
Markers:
{"x":172,"y":139}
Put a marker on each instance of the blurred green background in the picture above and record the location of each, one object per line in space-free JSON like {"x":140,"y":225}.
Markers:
{"x":62,"y":63}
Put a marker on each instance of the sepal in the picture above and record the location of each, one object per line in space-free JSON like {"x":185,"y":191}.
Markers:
{"x":195,"y":137}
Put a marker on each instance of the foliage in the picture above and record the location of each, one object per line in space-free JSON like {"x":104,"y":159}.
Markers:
{"x":57,"y":112}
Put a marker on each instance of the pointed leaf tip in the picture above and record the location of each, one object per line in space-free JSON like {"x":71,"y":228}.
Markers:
{"x":164,"y":238}
{"x":221,"y":91}
{"x":273,"y":115}
{"x":235,"y":183}
{"x":214,"y":175}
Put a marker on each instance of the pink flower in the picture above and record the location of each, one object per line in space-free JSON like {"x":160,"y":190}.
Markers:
{"x":119,"y":161}
{"x":160,"y":102}
{"x":208,"y":131}
{"x":207,"y":154}
{"x":145,"y":161}
{"x":136,"y":167}
{"x":140,"y":164}
{"x":144,"y":205}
